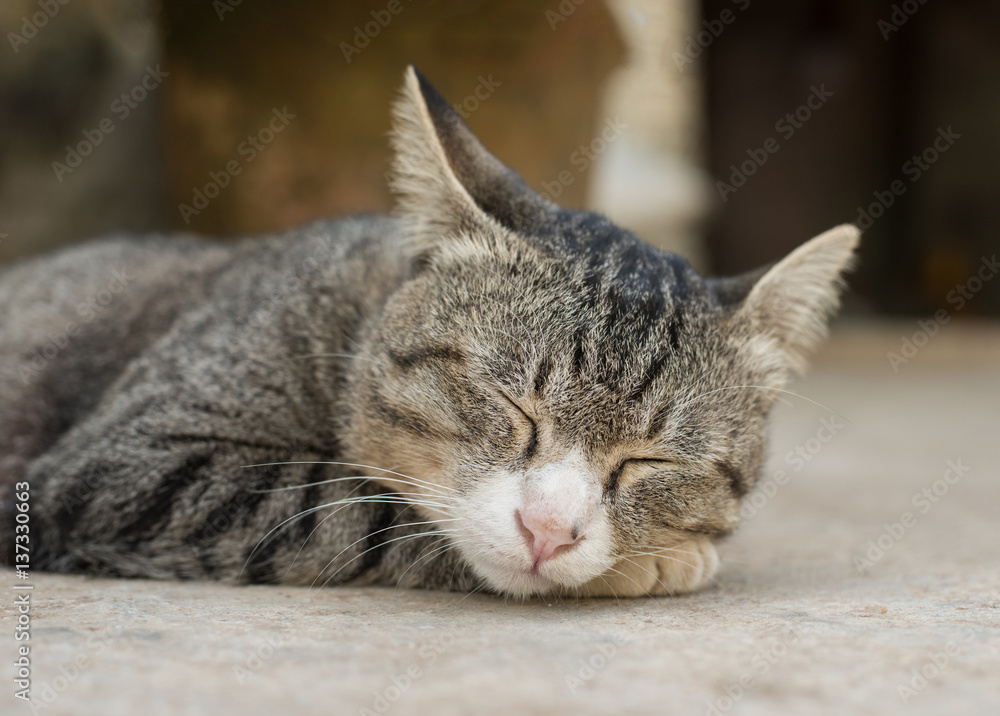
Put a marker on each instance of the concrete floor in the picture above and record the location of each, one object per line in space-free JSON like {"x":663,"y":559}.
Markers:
{"x":795,"y":624}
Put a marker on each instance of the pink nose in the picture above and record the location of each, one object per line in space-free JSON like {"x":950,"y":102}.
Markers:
{"x":546,"y":538}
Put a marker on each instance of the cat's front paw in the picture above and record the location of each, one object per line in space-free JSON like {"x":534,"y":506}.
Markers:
{"x":675,"y":570}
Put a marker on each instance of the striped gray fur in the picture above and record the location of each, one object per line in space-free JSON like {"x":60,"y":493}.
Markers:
{"x":202,"y":419}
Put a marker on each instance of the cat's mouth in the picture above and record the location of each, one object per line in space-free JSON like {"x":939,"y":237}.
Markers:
{"x":529,"y":534}
{"x":532,"y":582}
{"x":523,"y":578}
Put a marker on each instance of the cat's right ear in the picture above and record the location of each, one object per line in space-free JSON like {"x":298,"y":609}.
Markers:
{"x":448,"y":185}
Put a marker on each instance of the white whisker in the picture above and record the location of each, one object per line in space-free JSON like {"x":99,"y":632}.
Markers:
{"x":352,"y":477}
{"x":633,"y":562}
{"x":444,"y":539}
{"x":613,"y":592}
{"x":435,"y":551}
{"x":428,"y":533}
{"x":667,"y":556}
{"x":760,"y":387}
{"x":363,"y":499}
{"x":660,"y":552}
{"x":478,"y":589}
{"x":622,"y":574}
{"x":320,"y":524}
{"x":353,"y":464}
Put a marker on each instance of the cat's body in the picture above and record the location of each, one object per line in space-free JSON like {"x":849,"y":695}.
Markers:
{"x":487,"y":392}
{"x":214,"y":355}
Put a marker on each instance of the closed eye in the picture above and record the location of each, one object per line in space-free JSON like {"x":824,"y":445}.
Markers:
{"x":617,"y":472}
{"x":532,"y":447}
{"x":661,"y":461}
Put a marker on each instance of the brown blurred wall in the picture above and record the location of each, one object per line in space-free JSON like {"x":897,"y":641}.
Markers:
{"x":225,"y":69}
{"x":336,"y":67}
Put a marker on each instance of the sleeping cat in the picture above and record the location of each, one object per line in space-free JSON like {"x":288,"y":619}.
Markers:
{"x":484,"y":392}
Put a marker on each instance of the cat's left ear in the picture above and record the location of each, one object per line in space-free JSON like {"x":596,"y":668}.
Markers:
{"x":447,"y":183}
{"x":793,"y":300}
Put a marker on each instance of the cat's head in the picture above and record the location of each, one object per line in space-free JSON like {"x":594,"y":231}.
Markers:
{"x":561,"y":394}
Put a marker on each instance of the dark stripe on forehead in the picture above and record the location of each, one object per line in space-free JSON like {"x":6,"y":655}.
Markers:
{"x":592,"y":287}
{"x":654,"y":371}
{"x":674,"y":328}
{"x":578,"y":352}
{"x":659,"y":421}
{"x":544,"y":369}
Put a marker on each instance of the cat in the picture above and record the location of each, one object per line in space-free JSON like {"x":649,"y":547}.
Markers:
{"x":483,"y":391}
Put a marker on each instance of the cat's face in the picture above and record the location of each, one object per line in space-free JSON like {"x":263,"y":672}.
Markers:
{"x":561,"y":396}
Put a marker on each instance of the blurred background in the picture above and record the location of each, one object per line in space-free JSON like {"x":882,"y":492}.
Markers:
{"x":727,"y":130}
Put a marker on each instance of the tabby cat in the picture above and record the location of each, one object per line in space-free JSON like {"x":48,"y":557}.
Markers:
{"x":485,"y":391}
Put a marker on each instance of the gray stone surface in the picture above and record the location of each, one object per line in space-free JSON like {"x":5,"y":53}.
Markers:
{"x":792,"y":625}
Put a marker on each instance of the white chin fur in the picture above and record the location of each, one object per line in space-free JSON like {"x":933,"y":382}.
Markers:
{"x":523,"y":584}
